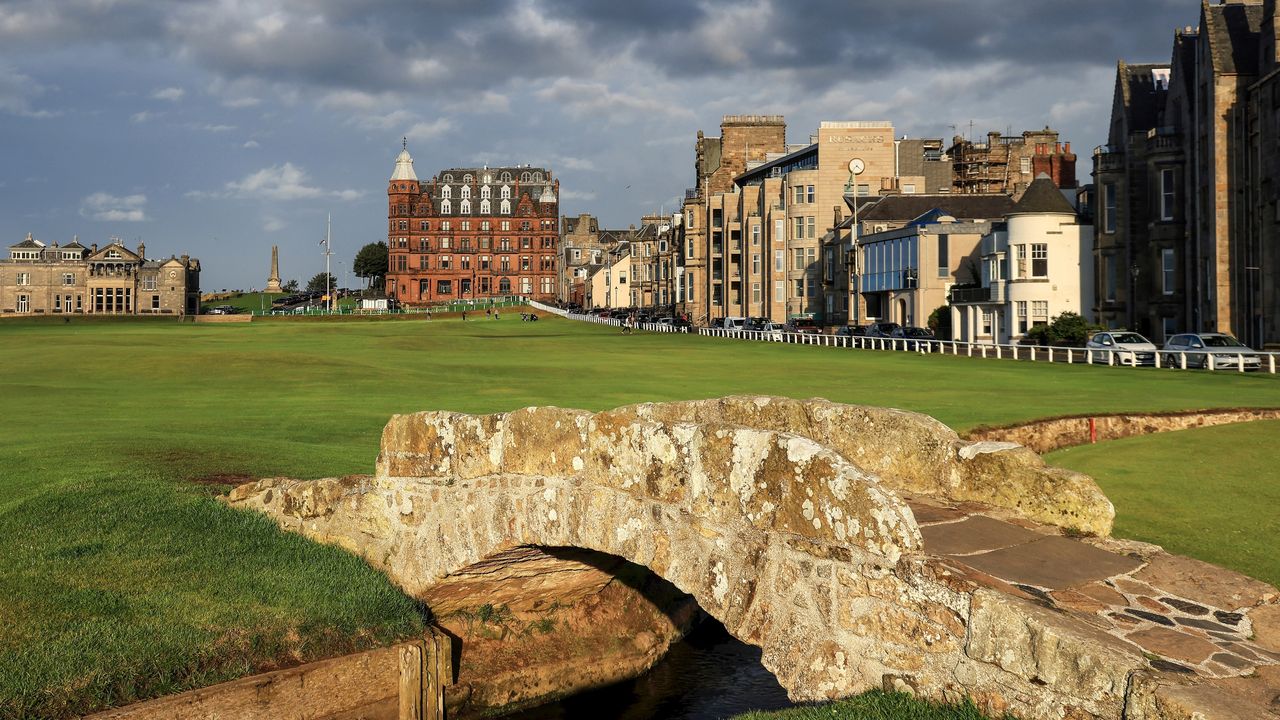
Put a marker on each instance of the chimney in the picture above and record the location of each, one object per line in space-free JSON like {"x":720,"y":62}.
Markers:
{"x":142,"y":250}
{"x":1067,"y":148}
{"x":93,"y":248}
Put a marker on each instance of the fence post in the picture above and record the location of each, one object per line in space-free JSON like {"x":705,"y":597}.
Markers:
{"x":1271,"y":360}
{"x":1069,"y":356}
{"x":412,"y":688}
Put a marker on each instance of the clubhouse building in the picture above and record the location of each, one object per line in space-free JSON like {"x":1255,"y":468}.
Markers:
{"x":51,"y":279}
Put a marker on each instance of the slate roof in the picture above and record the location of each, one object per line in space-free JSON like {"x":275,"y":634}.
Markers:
{"x":903,"y":208}
{"x":1143,"y":99}
{"x":1042,"y":196}
{"x":1233,"y":33}
{"x":28,"y":244}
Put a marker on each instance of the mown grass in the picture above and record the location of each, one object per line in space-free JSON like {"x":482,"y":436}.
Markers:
{"x":873,"y":706}
{"x":1211,"y":493}
{"x":122,"y":578}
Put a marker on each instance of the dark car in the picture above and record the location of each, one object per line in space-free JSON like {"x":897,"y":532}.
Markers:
{"x":756,"y":323}
{"x":804,"y":326}
{"x":851,"y":331}
{"x":882,"y":329}
{"x":916,"y":338}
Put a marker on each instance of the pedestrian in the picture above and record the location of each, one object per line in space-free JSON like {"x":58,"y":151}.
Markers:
{"x":488,"y":312}
{"x":495,"y":315}
{"x":428,"y":313}
{"x":464,"y":316}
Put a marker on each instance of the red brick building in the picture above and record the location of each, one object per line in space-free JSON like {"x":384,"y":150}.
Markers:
{"x":471,"y":233}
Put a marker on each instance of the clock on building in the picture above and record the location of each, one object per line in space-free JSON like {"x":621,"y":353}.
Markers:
{"x":856,"y":166}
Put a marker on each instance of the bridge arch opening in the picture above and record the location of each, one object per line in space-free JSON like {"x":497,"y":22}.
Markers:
{"x":531,"y":621}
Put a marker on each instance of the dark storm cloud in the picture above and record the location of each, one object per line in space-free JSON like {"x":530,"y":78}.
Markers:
{"x":388,"y":45}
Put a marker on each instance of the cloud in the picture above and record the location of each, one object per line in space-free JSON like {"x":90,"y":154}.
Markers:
{"x":172,"y":94}
{"x":143,"y":116}
{"x":429,"y":130}
{"x":277,"y":182}
{"x":18,"y":92}
{"x":587,"y":99}
{"x":249,"y":144}
{"x":212,"y":127}
{"x":577,"y":195}
{"x":111,"y":208}
{"x":272,"y":224}
{"x":574,"y":163}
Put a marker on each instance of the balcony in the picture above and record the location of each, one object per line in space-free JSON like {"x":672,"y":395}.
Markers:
{"x":1104,"y":160}
{"x":691,"y":194}
{"x":970,"y":295}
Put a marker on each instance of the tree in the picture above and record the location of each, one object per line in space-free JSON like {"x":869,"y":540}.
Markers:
{"x":371,"y":263}
{"x":1068,"y":330}
{"x":317,"y":283}
{"x":291,"y":286}
{"x":940,"y":322}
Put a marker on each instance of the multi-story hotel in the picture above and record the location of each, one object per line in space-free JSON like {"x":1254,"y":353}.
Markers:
{"x":40,"y":278}
{"x":471,"y":233}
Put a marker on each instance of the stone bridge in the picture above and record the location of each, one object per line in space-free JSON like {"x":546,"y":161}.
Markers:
{"x":857,"y":547}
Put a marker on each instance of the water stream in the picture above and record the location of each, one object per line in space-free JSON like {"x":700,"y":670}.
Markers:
{"x":709,"y":676}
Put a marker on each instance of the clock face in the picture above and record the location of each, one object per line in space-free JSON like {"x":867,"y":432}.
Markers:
{"x":856,"y":166}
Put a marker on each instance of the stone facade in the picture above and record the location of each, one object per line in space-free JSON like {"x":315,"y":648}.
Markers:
{"x":472,"y":233}
{"x":1007,"y":164}
{"x":846,"y":546}
{"x":1188,"y":188}
{"x":71,"y":279}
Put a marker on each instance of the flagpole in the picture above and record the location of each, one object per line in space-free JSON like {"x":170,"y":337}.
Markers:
{"x":328,"y":238}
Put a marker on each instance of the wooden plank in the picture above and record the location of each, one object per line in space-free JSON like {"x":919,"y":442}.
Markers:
{"x":411,"y":682}
{"x":316,"y":691}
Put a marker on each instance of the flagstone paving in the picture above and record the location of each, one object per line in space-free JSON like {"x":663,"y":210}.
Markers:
{"x":1186,"y":616}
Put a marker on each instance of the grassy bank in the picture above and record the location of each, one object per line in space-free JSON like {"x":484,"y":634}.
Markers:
{"x":1211,"y":493}
{"x":122,"y":578}
{"x":873,"y":706}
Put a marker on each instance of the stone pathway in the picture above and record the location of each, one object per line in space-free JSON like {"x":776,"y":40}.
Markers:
{"x":1185,"y":616}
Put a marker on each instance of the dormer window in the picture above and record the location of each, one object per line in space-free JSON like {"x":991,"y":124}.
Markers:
{"x":506,"y":192}
{"x":505,"y":207}
{"x":446,"y":192}
{"x":485,"y":207}
{"x":505,"y":177}
{"x":113,"y":255}
{"x":537,"y":177}
{"x":466,"y":192}
{"x":465,"y":207}
{"x":468,"y":179}
{"x":485,"y":192}
{"x":448,"y":177}
{"x":524,"y":177}
{"x":488,"y":178}
{"x":446,"y":207}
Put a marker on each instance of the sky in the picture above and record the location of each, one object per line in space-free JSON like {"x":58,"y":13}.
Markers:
{"x":218,"y":128}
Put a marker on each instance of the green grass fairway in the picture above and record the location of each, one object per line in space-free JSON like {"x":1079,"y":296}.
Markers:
{"x":874,"y":705}
{"x":247,"y":302}
{"x":122,"y":578}
{"x":1211,"y":493}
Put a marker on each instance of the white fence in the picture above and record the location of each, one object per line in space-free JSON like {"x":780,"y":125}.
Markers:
{"x":1178,"y":359}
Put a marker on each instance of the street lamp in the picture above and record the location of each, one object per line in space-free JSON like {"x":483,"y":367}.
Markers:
{"x":1134,"y":270}
{"x":856,"y":166}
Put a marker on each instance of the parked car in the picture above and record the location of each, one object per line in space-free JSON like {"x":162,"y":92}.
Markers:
{"x":1228,"y":353}
{"x":774,"y":331}
{"x":223,"y":310}
{"x":851,"y":331}
{"x":756,"y":323}
{"x":804,"y":326}
{"x":882,"y":329}
{"x":734,"y":323}
{"x":1128,"y":348}
{"x":915,"y":338}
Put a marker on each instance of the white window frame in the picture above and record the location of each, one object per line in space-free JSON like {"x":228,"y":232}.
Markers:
{"x":1168,"y":271}
{"x":1168,"y":193}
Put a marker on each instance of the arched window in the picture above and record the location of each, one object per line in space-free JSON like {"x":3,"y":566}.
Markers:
{"x":448,"y":177}
{"x":504,"y":286}
{"x":485,"y":193}
{"x":446,"y":207}
{"x":467,"y":178}
{"x":505,"y":177}
{"x":537,"y":177}
{"x":446,"y":192}
{"x":488,"y":178}
{"x":466,"y":192}
{"x":524,"y":177}
{"x":506,"y":191}
{"x":506,"y":207}
{"x":464,"y":207}
{"x":485,"y":208}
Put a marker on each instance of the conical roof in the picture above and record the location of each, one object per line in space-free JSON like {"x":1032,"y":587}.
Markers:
{"x":1043,"y":197}
{"x":404,"y":166}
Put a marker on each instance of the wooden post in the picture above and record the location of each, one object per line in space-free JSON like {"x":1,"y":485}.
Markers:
{"x":437,"y":674}
{"x":411,"y":685}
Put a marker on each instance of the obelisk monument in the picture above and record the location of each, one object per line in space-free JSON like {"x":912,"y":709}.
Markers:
{"x":273,"y":282}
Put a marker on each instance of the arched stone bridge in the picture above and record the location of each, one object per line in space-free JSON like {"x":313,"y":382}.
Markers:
{"x":858,"y":547}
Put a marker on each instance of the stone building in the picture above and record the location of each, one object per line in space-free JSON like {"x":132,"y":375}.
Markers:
{"x":1009,"y":163}
{"x":1188,"y":184}
{"x":910,"y":251}
{"x":472,"y":233}
{"x":39,"y":278}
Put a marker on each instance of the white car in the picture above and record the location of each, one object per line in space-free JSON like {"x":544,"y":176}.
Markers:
{"x":1129,"y":348}
{"x":774,"y":331}
{"x":1227,"y":352}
